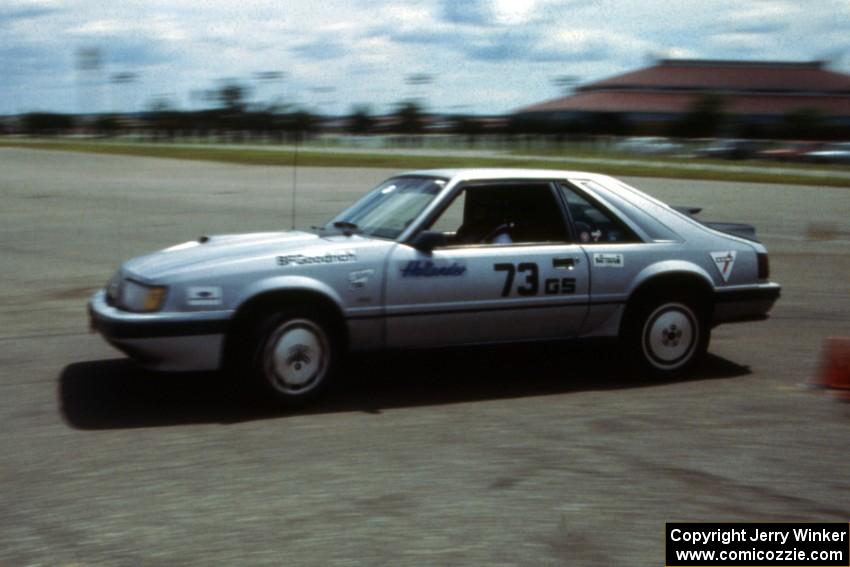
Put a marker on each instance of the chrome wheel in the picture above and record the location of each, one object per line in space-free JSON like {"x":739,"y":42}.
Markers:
{"x":670,"y":336}
{"x":296,"y":357}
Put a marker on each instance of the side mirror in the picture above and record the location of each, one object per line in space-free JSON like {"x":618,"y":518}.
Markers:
{"x":427,"y":240}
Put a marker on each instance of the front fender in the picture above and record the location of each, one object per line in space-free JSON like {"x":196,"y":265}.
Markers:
{"x":288,"y":283}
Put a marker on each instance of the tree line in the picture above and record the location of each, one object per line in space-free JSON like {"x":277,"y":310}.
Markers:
{"x":234,"y":120}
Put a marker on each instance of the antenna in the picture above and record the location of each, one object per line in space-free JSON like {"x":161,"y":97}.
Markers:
{"x":294,"y":178}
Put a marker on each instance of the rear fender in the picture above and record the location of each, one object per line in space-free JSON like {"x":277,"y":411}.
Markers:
{"x":671,"y":268}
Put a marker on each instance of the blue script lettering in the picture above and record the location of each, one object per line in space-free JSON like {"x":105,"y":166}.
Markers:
{"x":418,"y":269}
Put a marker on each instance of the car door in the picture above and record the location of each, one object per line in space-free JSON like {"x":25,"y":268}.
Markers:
{"x":616,"y":252}
{"x":507,"y":271}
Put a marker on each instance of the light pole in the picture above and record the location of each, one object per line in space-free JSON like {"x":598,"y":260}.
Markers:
{"x":565,"y":84}
{"x":419,"y":83}
{"x":117,"y":80}
{"x":89,"y":61}
{"x":269,"y":78}
{"x":323,"y":98}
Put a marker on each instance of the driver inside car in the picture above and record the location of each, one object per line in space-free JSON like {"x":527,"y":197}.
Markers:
{"x":486,"y":223}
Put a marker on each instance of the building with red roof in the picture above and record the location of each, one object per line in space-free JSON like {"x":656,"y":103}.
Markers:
{"x":754,"y":95}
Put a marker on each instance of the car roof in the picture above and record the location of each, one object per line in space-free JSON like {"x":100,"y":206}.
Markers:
{"x":487,"y":173}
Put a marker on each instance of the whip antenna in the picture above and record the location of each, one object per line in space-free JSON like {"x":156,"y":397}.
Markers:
{"x":294,"y":178}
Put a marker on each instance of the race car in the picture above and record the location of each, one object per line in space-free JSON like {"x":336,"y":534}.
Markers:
{"x":442,"y":258}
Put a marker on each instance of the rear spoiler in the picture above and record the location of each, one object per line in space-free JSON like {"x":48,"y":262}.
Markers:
{"x":747,"y":231}
{"x":690,"y":211}
{"x":738,"y":229}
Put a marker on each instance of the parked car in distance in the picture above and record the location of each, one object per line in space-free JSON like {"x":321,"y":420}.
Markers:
{"x":442,"y":258}
{"x":833,"y":153}
{"x":647,"y":145}
{"x":728,"y":149}
{"x":792,"y":151}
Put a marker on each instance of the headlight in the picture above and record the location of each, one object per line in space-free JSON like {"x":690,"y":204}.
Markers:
{"x":140,"y":297}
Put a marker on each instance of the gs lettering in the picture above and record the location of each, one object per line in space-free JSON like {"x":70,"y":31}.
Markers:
{"x":555,"y":286}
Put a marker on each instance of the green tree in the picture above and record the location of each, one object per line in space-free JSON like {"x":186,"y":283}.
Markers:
{"x":803,"y":123}
{"x":468,"y":126}
{"x":705,"y":118}
{"x":360,"y":121}
{"x":601,"y":123}
{"x":47,"y":123}
{"x":163,"y":118}
{"x":232,"y":96}
{"x":409,"y":118}
{"x":107,"y":125}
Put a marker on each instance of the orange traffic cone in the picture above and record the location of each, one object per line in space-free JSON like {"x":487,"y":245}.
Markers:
{"x":835,"y":366}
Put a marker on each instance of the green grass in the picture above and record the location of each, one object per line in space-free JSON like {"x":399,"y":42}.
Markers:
{"x":310,"y":158}
{"x":674,"y":160}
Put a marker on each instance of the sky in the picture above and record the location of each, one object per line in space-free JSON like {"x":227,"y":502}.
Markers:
{"x":328,"y":56}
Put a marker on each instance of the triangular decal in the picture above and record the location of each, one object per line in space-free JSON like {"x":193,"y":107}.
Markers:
{"x":724,"y":261}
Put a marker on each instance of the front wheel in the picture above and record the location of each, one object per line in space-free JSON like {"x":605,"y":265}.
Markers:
{"x":294,"y":357}
{"x":664,"y":338}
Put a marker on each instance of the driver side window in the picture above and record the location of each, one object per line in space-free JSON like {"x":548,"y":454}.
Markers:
{"x":503,"y":214}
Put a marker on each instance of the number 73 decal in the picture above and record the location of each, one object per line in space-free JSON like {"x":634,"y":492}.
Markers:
{"x":531,"y":283}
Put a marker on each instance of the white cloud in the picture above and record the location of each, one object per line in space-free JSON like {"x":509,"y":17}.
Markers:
{"x":739,"y":41}
{"x":514,"y":12}
{"x":762,"y":10}
{"x":485,"y":55}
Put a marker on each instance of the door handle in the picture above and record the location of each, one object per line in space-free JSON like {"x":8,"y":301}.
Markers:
{"x":564,"y":263}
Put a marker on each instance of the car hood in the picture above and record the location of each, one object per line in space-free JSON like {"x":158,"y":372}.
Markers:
{"x":214,"y":251}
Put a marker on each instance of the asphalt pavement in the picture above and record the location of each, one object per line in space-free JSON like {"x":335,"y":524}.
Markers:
{"x":525,"y":455}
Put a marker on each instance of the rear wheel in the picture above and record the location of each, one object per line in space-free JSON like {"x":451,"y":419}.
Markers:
{"x":666,"y":337}
{"x":293,"y":358}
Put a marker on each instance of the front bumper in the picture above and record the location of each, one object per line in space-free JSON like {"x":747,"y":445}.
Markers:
{"x":162,"y":341}
{"x":744,"y":303}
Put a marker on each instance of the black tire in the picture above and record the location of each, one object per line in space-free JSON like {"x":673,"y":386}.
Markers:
{"x":291,"y":357}
{"x":664,"y":338}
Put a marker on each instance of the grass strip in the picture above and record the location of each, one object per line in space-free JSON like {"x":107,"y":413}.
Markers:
{"x":308,"y":158}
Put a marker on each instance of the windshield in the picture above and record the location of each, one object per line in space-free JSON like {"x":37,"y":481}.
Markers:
{"x":388,"y":209}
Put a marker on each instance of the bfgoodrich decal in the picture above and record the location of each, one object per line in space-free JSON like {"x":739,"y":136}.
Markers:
{"x":339,"y":257}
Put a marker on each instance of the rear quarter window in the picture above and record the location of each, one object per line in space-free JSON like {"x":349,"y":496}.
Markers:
{"x":594,"y":223}
{"x":651,"y":226}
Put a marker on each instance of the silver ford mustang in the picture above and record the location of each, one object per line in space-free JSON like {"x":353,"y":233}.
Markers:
{"x":439,"y":258}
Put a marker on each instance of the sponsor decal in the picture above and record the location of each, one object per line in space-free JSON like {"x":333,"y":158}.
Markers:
{"x":724,"y":261}
{"x":605,"y":260}
{"x":428,"y":269}
{"x":359,"y":279}
{"x":210,"y":295}
{"x":340,"y":257}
